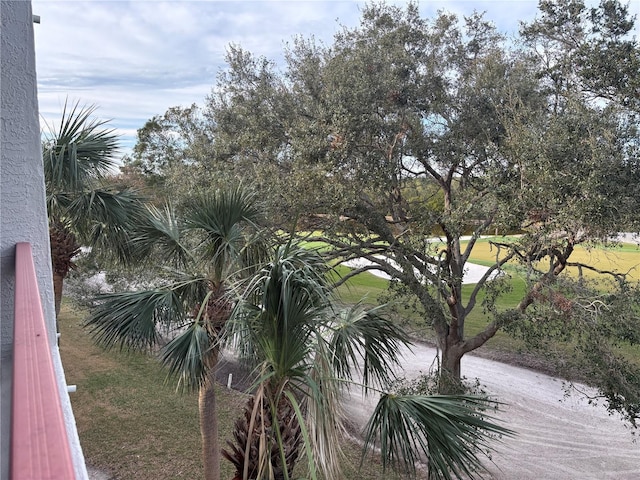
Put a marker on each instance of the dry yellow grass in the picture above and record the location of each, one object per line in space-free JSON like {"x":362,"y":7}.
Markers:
{"x":621,"y":259}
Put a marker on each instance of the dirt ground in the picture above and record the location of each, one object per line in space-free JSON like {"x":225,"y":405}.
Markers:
{"x":558,"y":436}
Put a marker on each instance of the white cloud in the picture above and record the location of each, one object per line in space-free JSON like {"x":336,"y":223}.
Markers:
{"x":135,"y":59}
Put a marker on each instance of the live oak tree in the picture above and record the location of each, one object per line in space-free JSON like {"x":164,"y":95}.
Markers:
{"x":358,"y":131}
{"x":172,"y":157}
{"x":588,"y":65}
{"x":406,"y":127}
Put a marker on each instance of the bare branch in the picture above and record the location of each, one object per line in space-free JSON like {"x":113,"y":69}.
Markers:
{"x":617,"y":275}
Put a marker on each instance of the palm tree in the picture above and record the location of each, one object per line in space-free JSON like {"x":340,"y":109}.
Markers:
{"x":83,"y":209}
{"x":308,"y":350}
{"x":202,"y":251}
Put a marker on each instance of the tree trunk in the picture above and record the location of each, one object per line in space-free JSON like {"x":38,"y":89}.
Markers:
{"x":58,"y":281}
{"x":451,"y":357}
{"x":64,"y":247}
{"x":450,"y":374}
{"x":209,"y":421}
{"x":247,"y":451}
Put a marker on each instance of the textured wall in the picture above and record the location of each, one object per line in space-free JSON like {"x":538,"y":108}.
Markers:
{"x":23,"y":215}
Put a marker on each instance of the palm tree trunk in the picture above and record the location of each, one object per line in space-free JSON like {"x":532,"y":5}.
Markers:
{"x":64,"y":247}
{"x":209,"y":421}
{"x":283,"y":435}
{"x":58,"y":282}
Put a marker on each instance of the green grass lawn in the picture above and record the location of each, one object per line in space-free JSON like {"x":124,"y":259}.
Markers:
{"x":366,"y":287}
{"x":130,"y":423}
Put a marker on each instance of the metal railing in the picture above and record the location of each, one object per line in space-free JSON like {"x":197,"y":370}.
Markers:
{"x":39,"y":443}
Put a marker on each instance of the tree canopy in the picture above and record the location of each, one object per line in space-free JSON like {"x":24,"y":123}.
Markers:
{"x":407,"y":128}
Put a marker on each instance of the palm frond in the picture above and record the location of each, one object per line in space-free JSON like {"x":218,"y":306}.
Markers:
{"x":226,"y":218}
{"x":192,"y":288}
{"x":294,"y":269}
{"x":160,"y":234}
{"x":282,"y":310}
{"x":218,"y":212}
{"x":105,"y":219}
{"x":324,"y":412}
{"x":285,"y":337}
{"x":364,"y":341}
{"x":187,"y":356}
{"x":256,"y":252}
{"x":130,"y":320}
{"x":307,"y":443}
{"x":80,"y":152}
{"x":450,"y":432}
{"x":58,"y":204}
{"x":239,"y":333}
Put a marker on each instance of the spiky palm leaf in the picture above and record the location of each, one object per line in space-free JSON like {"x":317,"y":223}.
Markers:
{"x":161,"y":233}
{"x":186,"y":356}
{"x":106,"y":219}
{"x":77,"y":158}
{"x":131,"y":320}
{"x":80,"y":152}
{"x":310,"y":349}
{"x":365,"y":342}
{"x":449,"y":432}
{"x":225,"y":220}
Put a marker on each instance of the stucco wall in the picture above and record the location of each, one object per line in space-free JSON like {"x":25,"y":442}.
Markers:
{"x":23,"y":215}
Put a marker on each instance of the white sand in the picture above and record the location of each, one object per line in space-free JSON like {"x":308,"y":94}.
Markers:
{"x":558,"y":438}
{"x":472,"y":273}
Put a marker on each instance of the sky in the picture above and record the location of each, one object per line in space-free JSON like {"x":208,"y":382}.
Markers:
{"x":135,"y":59}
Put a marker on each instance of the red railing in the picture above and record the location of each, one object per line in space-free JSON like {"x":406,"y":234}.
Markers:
{"x":39,"y":444}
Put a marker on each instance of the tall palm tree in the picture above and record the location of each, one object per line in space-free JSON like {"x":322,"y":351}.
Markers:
{"x":202,"y":251}
{"x":308,"y":350}
{"x":83,"y":209}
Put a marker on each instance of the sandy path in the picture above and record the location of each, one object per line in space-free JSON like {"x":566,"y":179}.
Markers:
{"x":472,"y":272}
{"x":558,"y":437}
